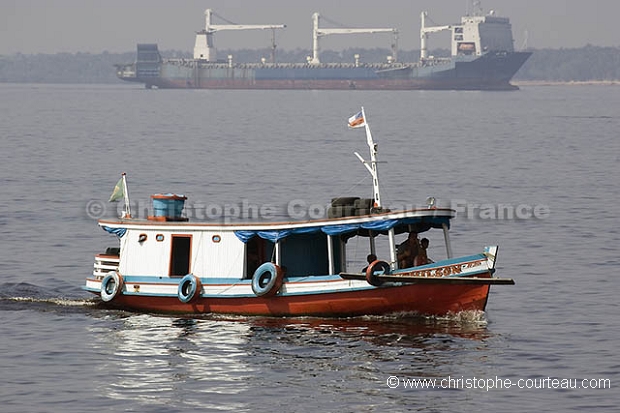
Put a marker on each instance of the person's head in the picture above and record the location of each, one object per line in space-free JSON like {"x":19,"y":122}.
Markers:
{"x":424,"y":242}
{"x":413,"y":235}
{"x":371,"y":258}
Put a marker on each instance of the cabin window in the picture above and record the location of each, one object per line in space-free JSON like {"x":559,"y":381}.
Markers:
{"x":159,"y":237}
{"x":466,"y":48}
{"x":180,"y":255}
{"x":142,"y":238}
{"x":458,"y":30}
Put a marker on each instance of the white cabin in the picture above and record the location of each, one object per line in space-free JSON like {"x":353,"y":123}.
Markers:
{"x":477,"y":35}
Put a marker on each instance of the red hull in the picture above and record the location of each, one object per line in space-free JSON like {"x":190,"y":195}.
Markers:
{"x":423,"y":299}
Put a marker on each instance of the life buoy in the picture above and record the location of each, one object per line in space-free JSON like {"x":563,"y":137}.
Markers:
{"x":374,"y":269}
{"x":267,"y":280}
{"x":111,"y":286}
{"x":189,"y":288}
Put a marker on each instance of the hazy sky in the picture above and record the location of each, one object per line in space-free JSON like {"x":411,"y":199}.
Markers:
{"x":52,"y":26}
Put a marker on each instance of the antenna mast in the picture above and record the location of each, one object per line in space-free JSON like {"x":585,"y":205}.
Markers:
{"x":372,"y":165}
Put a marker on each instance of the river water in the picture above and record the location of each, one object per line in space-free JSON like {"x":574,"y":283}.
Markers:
{"x":534,"y":171}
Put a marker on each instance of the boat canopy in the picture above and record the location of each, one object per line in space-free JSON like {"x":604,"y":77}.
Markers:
{"x":415,"y":224}
{"x":345,"y":228}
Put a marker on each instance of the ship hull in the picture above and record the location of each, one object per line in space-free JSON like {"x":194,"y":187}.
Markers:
{"x":449,"y":286}
{"x":491,"y":71}
{"x":421,"y":299}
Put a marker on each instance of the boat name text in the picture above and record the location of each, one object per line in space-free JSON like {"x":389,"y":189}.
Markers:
{"x":442,"y":271}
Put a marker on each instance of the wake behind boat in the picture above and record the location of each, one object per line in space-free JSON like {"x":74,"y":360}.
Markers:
{"x":166,"y":263}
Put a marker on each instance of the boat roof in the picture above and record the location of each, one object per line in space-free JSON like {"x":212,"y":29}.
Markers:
{"x":414,"y":220}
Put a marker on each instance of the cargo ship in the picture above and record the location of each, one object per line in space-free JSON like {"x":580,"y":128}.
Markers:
{"x":482,"y":58}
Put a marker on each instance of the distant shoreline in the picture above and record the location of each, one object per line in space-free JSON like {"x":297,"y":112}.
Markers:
{"x":519,"y":83}
{"x":565,"y":83}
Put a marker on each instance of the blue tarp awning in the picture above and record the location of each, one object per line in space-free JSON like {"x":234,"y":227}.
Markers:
{"x":119,"y":232}
{"x":420,"y":224}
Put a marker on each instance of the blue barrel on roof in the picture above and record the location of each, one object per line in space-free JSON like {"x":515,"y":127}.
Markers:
{"x":168,"y":205}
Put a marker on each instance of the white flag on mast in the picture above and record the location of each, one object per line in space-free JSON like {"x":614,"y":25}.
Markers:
{"x":120,"y":191}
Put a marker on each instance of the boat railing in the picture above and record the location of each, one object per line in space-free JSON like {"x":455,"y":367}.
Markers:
{"x":224,"y":65}
{"x":435,"y":61}
{"x":104,"y":264}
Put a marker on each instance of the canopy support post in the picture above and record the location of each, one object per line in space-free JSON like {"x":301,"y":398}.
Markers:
{"x":392,"y":242}
{"x":278,"y":249}
{"x":446,"y":237}
{"x":330,"y":254}
{"x":373,"y":247}
{"x":343,"y":255}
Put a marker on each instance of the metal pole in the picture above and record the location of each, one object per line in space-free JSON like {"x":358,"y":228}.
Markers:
{"x":315,"y":39}
{"x":330,"y":254}
{"x":278,"y":253}
{"x":373,"y":248}
{"x":343,"y":255}
{"x":446,"y":237}
{"x":392,"y":241}
{"x":126,"y":196}
{"x":373,"y":163}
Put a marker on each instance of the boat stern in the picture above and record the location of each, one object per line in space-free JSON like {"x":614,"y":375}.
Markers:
{"x":105,"y":264}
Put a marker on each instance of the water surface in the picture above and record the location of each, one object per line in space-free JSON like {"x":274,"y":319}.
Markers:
{"x":65,"y":146}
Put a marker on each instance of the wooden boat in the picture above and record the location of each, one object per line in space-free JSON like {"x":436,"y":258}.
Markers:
{"x":166,"y":263}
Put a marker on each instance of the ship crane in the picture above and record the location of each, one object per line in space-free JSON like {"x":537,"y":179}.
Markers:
{"x":204,"y":49}
{"x":424,"y":31}
{"x":319,"y":32}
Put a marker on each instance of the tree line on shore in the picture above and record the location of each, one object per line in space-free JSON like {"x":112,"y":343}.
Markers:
{"x":585,"y":64}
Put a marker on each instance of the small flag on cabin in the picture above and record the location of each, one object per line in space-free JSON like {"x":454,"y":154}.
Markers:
{"x":357,"y":121}
{"x":119,"y":191}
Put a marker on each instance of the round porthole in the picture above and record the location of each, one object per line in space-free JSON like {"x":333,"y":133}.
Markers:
{"x":142,"y":238}
{"x":216,"y":238}
{"x":159,"y":237}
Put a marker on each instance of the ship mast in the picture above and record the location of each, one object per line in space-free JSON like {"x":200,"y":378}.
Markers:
{"x":372,"y":165}
{"x":477,"y":8}
{"x":358,"y":121}
{"x":318,"y":32}
{"x":424,"y":31}
{"x":205,"y":50}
